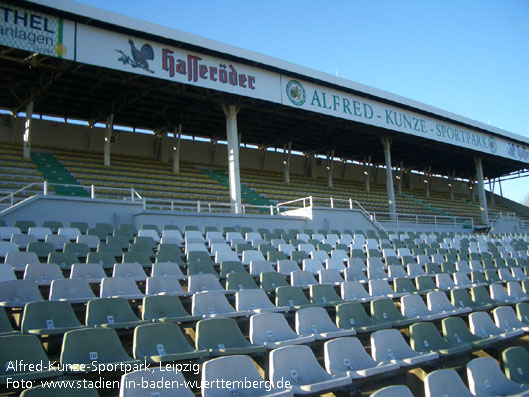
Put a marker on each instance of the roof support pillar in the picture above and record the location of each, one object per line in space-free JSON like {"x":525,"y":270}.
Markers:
{"x":176,"y":149}
{"x":286,"y":162}
{"x":451,"y":185}
{"x":330,"y":166}
{"x":481,"y":191}
{"x":427,"y":180}
{"x":108,"y":137}
{"x":400,"y":177}
{"x":386,"y":143}
{"x":230,"y":112}
{"x":367,"y":172}
{"x":26,"y":139}
{"x":471,"y":184}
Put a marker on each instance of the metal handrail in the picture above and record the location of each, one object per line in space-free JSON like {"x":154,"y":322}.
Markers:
{"x":418,"y":219}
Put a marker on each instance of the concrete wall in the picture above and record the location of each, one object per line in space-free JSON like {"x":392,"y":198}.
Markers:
{"x":48,"y":134}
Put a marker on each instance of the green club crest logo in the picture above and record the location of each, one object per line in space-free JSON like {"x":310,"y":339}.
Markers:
{"x":296,"y":92}
{"x":493,"y":146}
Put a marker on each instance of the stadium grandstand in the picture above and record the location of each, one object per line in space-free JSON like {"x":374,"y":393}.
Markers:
{"x":183,"y":217}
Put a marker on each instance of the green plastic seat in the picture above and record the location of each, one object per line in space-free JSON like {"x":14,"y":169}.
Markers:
{"x":222,"y":336}
{"x":432,"y":268}
{"x":238,"y":281}
{"x":165,"y":308}
{"x":106,"y":227}
{"x":448,"y":267}
{"x":105,"y":259}
{"x":461,"y":298}
{"x":201,"y":268}
{"x":111,"y":313}
{"x":163,"y":342}
{"x":120,"y":240}
{"x":492,"y":276}
{"x":53,"y":225}
{"x":82,"y":226}
{"x":324,"y":294}
{"x":516,"y":364}
{"x":481,"y":296}
{"x":199,"y":256}
{"x":425,"y":284}
{"x":64,"y":259}
{"x":83,"y":346}
{"x":353,"y":315}
{"x":299,"y":256}
{"x":141,"y":248}
{"x":292,"y":297}
{"x":5,"y":325}
{"x":99,"y":233}
{"x":227,"y":267}
{"x":80,"y":250}
{"x":142,"y":258}
{"x":456,"y":331}
{"x":170,"y":257}
{"x":24,"y":225}
{"x":25,"y":349}
{"x":522,"y":311}
{"x":49,"y":318}
{"x":404,"y":285}
{"x":424,"y":337}
{"x":384,"y":310}
{"x":478,"y":278}
{"x":274,"y":256}
{"x":40,"y":248}
{"x":62,"y":389}
{"x":112,"y":248}
{"x":269,"y":281}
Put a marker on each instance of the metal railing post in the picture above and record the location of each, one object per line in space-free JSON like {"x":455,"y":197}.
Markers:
{"x":45,"y":188}
{"x":332,"y":202}
{"x":131,"y":194}
{"x":310,"y":200}
{"x":172,"y":205}
{"x":271,"y":210}
{"x":144,"y":203}
{"x":198,"y":205}
{"x":12,"y":199}
{"x":350,"y":204}
{"x":92,"y":192}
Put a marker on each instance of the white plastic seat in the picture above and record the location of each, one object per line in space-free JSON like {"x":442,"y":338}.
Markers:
{"x":415,"y":270}
{"x":40,"y":232}
{"x":499,"y":294}
{"x":355,"y":273}
{"x":194,"y":235}
{"x":22,"y":240}
{"x":316,"y":321}
{"x":71,"y":232}
{"x":303,"y":236}
{"x":347,"y":356}
{"x":16,"y":293}
{"x":249,"y":256}
{"x":6,"y":247}
{"x":260,"y":266}
{"x":57,"y":240}
{"x":330,"y":276}
{"x":91,"y":241}
{"x":381,"y":288}
{"x":152,"y":378}
{"x":174,"y":235}
{"x":131,"y":270}
{"x":388,"y":345}
{"x":320,"y":255}
{"x":286,"y":248}
{"x":213,"y":304}
{"x":164,"y":285}
{"x":375,"y":261}
{"x":71,"y":290}
{"x":412,"y":305}
{"x":339,"y":254}
{"x":119,"y":287}
{"x":318,"y":236}
{"x":195,"y":247}
{"x":276,"y":242}
{"x":461,"y":280}
{"x":377,"y":273}
{"x":7,"y":231}
{"x":445,"y":382}
{"x":482,"y":326}
{"x":518,"y":274}
{"x":397,"y":271}
{"x":91,"y":272}
{"x":312,"y":265}
{"x":302,"y":279}
{"x":505,"y":318}
{"x":43,"y":273}
{"x":515,"y":292}
{"x":298,"y":365}
{"x":485,"y":378}
{"x":393,"y":391}
{"x":167,"y":269}
{"x":255,"y":300}
{"x":438,"y":303}
{"x":272,"y":331}
{"x":476,"y":266}
{"x":444,"y":282}
{"x":307,"y":248}
{"x":463,"y":266}
{"x":19,"y":260}
{"x":356,"y":262}
{"x":230,"y":236}
{"x":224,"y":256}
{"x":505,"y":275}
{"x":287,"y":266}
{"x":6,"y":272}
{"x":354,"y":290}
{"x":335,"y":263}
{"x":149,"y":233}
{"x":204,"y":282}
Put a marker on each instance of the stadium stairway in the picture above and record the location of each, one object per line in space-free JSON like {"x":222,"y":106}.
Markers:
{"x":56,"y":174}
{"x":428,"y":206}
{"x":248,"y":194}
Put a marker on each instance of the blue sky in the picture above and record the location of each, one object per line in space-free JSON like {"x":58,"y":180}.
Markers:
{"x":470,"y":57}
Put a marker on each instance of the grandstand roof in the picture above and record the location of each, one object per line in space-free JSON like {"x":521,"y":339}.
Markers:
{"x":76,"y":89}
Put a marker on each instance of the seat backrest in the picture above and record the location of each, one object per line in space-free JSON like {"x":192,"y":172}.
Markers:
{"x":48,"y":315}
{"x":70,"y":289}
{"x":118,"y":286}
{"x":352,"y":314}
{"x":162,"y":306}
{"x":108,"y":311}
{"x":215,"y":332}
{"x":270,"y":327}
{"x":251,"y":299}
{"x":210,"y":302}
{"x":158,"y":339}
{"x":19,"y":292}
